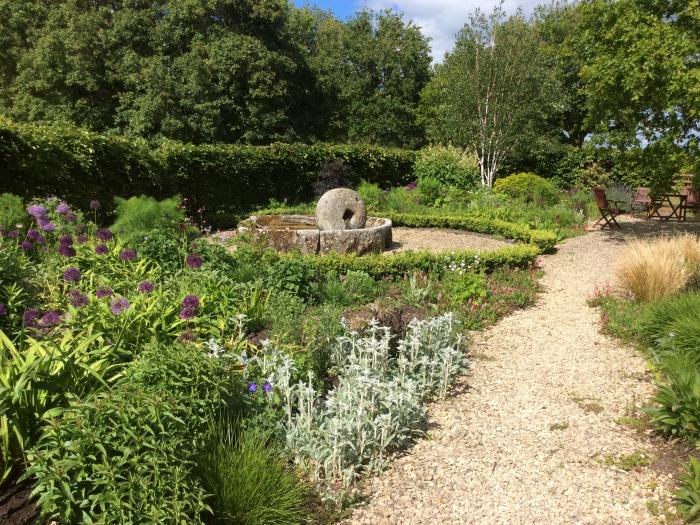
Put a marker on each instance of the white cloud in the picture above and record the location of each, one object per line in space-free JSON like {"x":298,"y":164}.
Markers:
{"x":441,"y":19}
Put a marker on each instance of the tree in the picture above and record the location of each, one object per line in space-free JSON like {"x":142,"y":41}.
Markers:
{"x":494,"y":91}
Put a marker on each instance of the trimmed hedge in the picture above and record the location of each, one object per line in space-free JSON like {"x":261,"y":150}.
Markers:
{"x":378,"y":265}
{"x":224,"y":179}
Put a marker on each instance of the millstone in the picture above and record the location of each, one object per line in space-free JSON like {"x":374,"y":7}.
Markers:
{"x":340,"y":209}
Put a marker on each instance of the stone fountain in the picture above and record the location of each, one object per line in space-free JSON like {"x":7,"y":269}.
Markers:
{"x":340,"y":225}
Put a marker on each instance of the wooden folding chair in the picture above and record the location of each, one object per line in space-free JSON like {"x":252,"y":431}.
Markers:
{"x":641,"y":200}
{"x":607,"y":212}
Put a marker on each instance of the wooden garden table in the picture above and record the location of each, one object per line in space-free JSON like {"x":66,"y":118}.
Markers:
{"x":665,"y":200}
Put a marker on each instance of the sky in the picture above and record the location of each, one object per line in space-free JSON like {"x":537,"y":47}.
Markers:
{"x":438,"y":19}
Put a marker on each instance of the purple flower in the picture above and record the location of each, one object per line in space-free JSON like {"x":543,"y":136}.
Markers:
{"x":50,"y":319}
{"x":252,"y":387}
{"x":47,"y":226}
{"x":104,"y":234}
{"x":3,"y":309}
{"x":12,"y":234}
{"x":186,"y":336}
{"x":267,"y":387}
{"x":127,"y":254}
{"x":101,"y":249}
{"x":81,"y":239}
{"x":103,"y":291}
{"x":36,"y":211}
{"x":40,"y":239}
{"x":119,"y":306}
{"x":26,"y":245}
{"x":190,"y":301}
{"x":65,"y":240}
{"x":146,"y":287}
{"x":411,"y":186}
{"x":95,"y":205}
{"x":71,"y":274}
{"x":194,"y":260}
{"x":77,"y":298}
{"x":70,"y":217}
{"x":30,"y":316}
{"x":62,"y":208}
{"x":66,"y":251}
{"x":188,"y":313}
{"x":33,"y":234}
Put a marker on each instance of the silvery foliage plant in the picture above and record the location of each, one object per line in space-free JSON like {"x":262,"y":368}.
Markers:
{"x":377,"y":405}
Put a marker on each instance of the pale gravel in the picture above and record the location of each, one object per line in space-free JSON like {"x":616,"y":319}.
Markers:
{"x":441,"y":239}
{"x":491,"y":456}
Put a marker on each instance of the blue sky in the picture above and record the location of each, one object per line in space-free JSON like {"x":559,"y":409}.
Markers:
{"x":438,"y":19}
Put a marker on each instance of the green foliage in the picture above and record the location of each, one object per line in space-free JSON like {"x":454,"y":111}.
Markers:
{"x":138,"y":216}
{"x":449,"y":165}
{"x":79,"y":165}
{"x":529,"y":187}
{"x":296,"y":275}
{"x":673,"y":324}
{"x":249,"y":480}
{"x":462,"y":287}
{"x":688,"y":495}
{"x":355,"y":287}
{"x":12,"y":211}
{"x":284,"y":310}
{"x":126,"y":455}
{"x":371,"y":194}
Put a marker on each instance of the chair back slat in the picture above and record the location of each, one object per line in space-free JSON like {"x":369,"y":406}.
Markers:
{"x":642,"y":195}
{"x":693,"y":197}
{"x":600,"y":198}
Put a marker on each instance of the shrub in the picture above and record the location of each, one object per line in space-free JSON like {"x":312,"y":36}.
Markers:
{"x":673,"y":324}
{"x":12,"y":211}
{"x":527,"y":186}
{"x":430,"y":191}
{"x":371,"y":194}
{"x":449,"y":166}
{"x":137,"y":216}
{"x":688,"y":495}
{"x":462,"y":287}
{"x":125,"y":455}
{"x":333,"y":174}
{"x":654,"y":269}
{"x":249,"y":480}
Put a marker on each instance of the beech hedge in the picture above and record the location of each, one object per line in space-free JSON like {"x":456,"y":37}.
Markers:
{"x":223,"y":179}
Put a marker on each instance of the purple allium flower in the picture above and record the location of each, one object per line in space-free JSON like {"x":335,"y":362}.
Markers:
{"x":36,"y":211}
{"x":3,"y":309}
{"x":33,"y":234}
{"x":26,"y":245}
{"x":50,"y":318}
{"x":66,"y":251}
{"x":252,"y":387}
{"x":40,"y":239}
{"x":119,"y":306}
{"x":104,"y":234}
{"x":77,"y":298}
{"x":194,"y":260}
{"x":188,"y":313}
{"x":47,"y":226}
{"x":127,"y":254}
{"x":411,"y":186}
{"x":12,"y":234}
{"x":95,"y":205}
{"x":81,"y":239}
{"x":70,"y":217}
{"x":267,"y":387}
{"x":62,"y":208}
{"x":146,"y":287}
{"x":190,"y":301}
{"x":30,"y":316}
{"x":103,"y":291}
{"x":71,"y":274}
{"x":65,"y":240}
{"x":101,"y":249}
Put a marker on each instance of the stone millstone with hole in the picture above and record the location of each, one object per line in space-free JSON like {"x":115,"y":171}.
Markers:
{"x":341,"y":209}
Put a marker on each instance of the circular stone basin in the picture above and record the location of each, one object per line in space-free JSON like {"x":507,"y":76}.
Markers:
{"x":299,"y":232}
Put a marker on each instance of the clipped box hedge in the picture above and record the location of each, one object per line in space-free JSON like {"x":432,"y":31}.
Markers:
{"x":224,"y":179}
{"x":395,"y":265}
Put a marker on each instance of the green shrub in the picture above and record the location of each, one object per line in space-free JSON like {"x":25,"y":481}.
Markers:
{"x":355,"y":287}
{"x":371,"y":193}
{"x":401,"y":199}
{"x":126,"y":454}
{"x":284,"y":310}
{"x":12,"y":211}
{"x":292,"y":274}
{"x":430,"y":191}
{"x":688,"y":495}
{"x":673,"y":324}
{"x":527,"y":186}
{"x":137,"y":216}
{"x":449,"y":166}
{"x":249,"y":480}
{"x":463,"y":287}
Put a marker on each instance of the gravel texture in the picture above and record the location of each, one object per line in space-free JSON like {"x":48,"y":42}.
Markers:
{"x":439,"y":239}
{"x":530,"y":434}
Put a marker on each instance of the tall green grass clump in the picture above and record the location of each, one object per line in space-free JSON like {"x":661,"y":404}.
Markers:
{"x":249,"y":480}
{"x":11,"y":211}
{"x":137,"y":216}
{"x":673,"y":324}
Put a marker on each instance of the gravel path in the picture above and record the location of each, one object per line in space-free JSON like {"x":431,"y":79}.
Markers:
{"x":441,"y":239}
{"x":531,"y":434}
